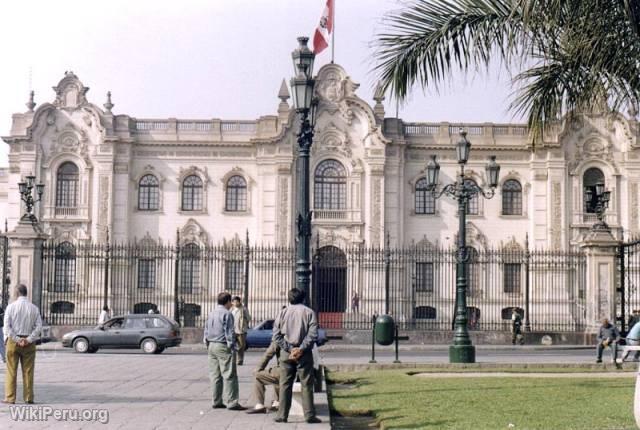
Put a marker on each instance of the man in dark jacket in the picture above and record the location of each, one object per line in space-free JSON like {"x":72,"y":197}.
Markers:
{"x":608,"y":335}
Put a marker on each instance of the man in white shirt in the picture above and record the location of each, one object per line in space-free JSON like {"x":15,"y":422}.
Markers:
{"x":104,"y":315}
{"x":22,"y":326}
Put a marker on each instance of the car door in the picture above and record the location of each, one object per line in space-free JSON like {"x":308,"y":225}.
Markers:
{"x":134,"y":330}
{"x":266,"y":334}
{"x":110,"y":336}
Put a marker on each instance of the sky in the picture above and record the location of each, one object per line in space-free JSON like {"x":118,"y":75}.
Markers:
{"x":206,"y":58}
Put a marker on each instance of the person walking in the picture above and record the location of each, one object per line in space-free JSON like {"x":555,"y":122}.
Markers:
{"x":516,"y":328}
{"x":22,"y":326}
{"x":2,"y":351}
{"x":264,"y":377}
{"x":104,"y":315}
{"x":220,"y":340}
{"x":608,"y":336}
{"x":296,"y":331}
{"x":241,"y":319}
{"x":355,"y":302}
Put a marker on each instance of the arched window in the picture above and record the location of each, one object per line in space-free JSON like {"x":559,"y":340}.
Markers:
{"x":511,"y":198}
{"x":67,"y":185}
{"x":148,"y":193}
{"x":192,"y":193}
{"x":190,"y":269}
{"x":330,"y":186}
{"x":472,"y":204}
{"x":62,"y":307}
{"x":425,"y":202}
{"x":236,"y":200}
{"x":590,"y":178}
{"x":65,"y":267}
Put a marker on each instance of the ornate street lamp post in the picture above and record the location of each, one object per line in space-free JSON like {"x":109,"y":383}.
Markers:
{"x":302,"y":88}
{"x":462,"y":351}
{"x":600,"y":201}
{"x":27,"y":196}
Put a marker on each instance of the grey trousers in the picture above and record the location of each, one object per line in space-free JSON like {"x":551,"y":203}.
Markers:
{"x":270,"y":376}
{"x":288,"y":372}
{"x":223,"y":375}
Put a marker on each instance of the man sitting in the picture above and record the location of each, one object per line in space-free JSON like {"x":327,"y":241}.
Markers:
{"x":264,"y":377}
{"x":608,"y":336}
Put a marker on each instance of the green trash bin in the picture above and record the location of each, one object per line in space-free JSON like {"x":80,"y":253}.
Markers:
{"x":385,"y":330}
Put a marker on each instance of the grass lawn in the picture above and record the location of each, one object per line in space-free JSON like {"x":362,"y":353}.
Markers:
{"x":399,"y":400}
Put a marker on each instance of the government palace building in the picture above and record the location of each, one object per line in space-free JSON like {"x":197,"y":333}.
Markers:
{"x":215,"y":179}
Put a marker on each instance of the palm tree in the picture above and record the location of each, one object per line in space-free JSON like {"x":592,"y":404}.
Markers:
{"x":564,"y":55}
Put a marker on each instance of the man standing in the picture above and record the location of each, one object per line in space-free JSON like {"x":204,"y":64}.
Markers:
{"x":2,"y":351}
{"x":516,"y":327}
{"x":104,"y":315}
{"x":607,"y":336}
{"x":220,"y":341}
{"x":264,"y":377}
{"x":296,"y":331}
{"x":241,"y":318}
{"x":22,"y":326}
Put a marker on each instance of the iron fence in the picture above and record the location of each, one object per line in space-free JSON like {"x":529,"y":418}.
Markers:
{"x":4,"y":270}
{"x":415,"y":284}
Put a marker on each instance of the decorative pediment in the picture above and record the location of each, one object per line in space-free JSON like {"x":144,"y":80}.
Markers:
{"x":70,"y":140}
{"x":511,"y":246}
{"x":475,"y":237}
{"x":194,"y":170}
{"x":333,"y":88}
{"x":193,"y":232}
{"x":147,"y":241}
{"x":148,"y":170}
{"x":424,"y":243}
{"x":332,"y":139}
{"x":70,"y":92}
{"x":234,"y":243}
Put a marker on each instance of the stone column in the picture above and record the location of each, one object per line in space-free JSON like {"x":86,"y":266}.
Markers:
{"x":25,"y":243}
{"x":600,"y":297}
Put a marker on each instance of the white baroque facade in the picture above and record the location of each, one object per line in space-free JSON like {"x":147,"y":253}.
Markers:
{"x":213,"y":180}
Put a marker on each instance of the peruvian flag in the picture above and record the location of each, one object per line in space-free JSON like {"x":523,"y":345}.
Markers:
{"x":325,"y":27}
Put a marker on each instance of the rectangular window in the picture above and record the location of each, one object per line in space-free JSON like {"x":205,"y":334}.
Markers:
{"x":472,"y":205}
{"x":233,"y":276}
{"x":146,"y":273}
{"x":425,"y":202}
{"x":424,"y":277}
{"x":512,"y":278}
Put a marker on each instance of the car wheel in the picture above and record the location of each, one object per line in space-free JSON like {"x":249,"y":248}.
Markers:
{"x":150,"y":346}
{"x":81,"y":345}
{"x":159,"y":350}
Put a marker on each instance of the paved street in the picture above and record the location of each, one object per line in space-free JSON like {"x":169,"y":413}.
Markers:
{"x":171,"y":391}
{"x":168,"y":391}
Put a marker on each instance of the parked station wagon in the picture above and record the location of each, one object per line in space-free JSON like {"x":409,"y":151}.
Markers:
{"x":152,"y":333}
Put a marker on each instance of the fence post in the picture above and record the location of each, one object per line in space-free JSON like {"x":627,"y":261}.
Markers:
{"x":527,"y":285}
{"x":247,"y":253}
{"x":176,"y":274}
{"x":387,"y":263}
{"x":621,"y":289}
{"x":4,"y":300}
{"x":600,"y":247}
{"x":105,"y":298}
{"x":26,"y":242}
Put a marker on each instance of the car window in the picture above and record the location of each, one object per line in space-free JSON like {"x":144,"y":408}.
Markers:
{"x":114,"y":324}
{"x":268,"y":325}
{"x":156,"y":323}
{"x":135,"y":323}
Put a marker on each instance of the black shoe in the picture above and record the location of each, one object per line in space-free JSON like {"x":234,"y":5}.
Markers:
{"x":220,"y":406}
{"x":29,"y":402}
{"x":280,"y":420}
{"x":257,"y":411}
{"x":237,"y":407}
{"x":313,"y":420}
{"x":599,"y":360}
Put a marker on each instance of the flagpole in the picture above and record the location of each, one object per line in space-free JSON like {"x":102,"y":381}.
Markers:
{"x":333,"y":31}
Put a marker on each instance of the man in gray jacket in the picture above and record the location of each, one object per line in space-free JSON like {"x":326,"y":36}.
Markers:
{"x":608,"y":335}
{"x":296,"y":331}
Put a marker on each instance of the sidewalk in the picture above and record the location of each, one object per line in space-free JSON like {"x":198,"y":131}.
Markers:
{"x":140,"y":391}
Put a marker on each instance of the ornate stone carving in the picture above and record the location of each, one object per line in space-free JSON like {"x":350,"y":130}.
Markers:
{"x":103,"y":208}
{"x":283,"y":210}
{"x":70,"y":92}
{"x":633,"y":207}
{"x":376,"y":210}
{"x":193,"y":232}
{"x":555,"y":232}
{"x":333,"y":87}
{"x":332,"y":139}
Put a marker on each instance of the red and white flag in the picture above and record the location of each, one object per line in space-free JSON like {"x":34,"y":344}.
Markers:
{"x":325,"y":28}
